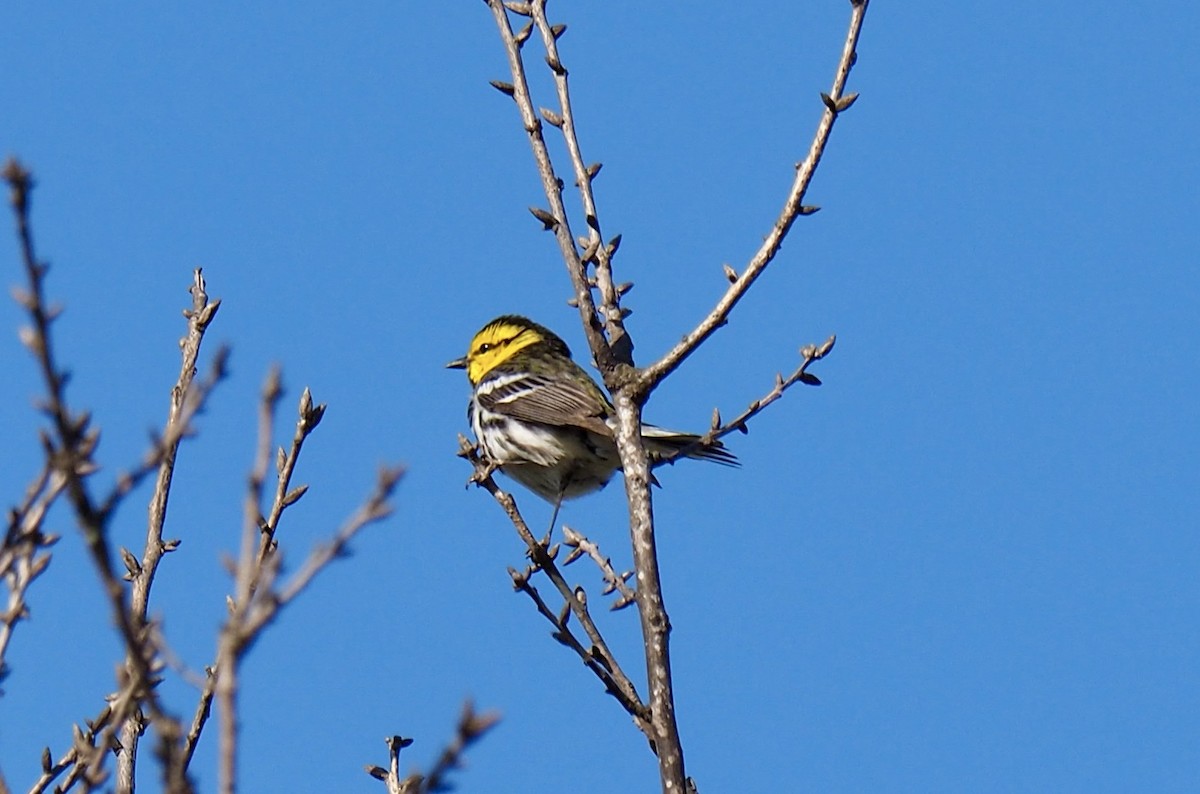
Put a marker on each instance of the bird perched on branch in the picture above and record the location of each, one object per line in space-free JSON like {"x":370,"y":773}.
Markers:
{"x":544,"y":422}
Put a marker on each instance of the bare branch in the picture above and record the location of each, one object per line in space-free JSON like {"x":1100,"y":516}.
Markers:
{"x":69,"y":452}
{"x":793,"y":207}
{"x":719,"y":429}
{"x":656,"y":626}
{"x":20,"y":559}
{"x":610,"y":297}
{"x":613,"y":581}
{"x":471,"y":728}
{"x":606,"y":359}
{"x":257,"y":600}
{"x":187,"y":398}
{"x":599,"y":658}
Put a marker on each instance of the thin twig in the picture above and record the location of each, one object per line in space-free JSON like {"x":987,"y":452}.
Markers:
{"x":187,"y":398}
{"x":599,"y":659}
{"x":20,"y":561}
{"x":719,"y":429}
{"x":257,"y":601}
{"x":606,"y":360}
{"x":581,"y":545}
{"x":81,"y":758}
{"x":471,"y":728}
{"x":793,"y":207}
{"x":70,"y":453}
{"x":610,"y":296}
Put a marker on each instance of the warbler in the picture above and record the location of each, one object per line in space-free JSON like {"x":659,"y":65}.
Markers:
{"x":544,"y":421}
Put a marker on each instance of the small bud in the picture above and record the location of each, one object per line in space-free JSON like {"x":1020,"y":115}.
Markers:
{"x":548,"y":220}
{"x":131,"y":564}
{"x":504,"y":88}
{"x":589,"y":253}
{"x":294,"y":495}
{"x":730,"y":273}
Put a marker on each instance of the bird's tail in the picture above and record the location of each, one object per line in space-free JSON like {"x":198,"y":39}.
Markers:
{"x":667,"y":445}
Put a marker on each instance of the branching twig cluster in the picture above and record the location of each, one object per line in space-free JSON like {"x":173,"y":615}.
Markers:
{"x":23,"y":557}
{"x":598,"y":299}
{"x":259,"y":593}
{"x":69,"y":448}
{"x":597,"y":656}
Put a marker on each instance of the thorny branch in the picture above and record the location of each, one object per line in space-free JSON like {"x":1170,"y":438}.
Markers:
{"x":259,"y":596}
{"x":610,"y":294}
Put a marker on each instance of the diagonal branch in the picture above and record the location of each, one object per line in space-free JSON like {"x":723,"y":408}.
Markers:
{"x":21,"y":557}
{"x":599,"y":658}
{"x":793,"y":207}
{"x":719,"y":429}
{"x":613,"y":581}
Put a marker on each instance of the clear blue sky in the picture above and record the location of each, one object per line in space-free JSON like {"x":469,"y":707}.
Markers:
{"x":968,"y":562}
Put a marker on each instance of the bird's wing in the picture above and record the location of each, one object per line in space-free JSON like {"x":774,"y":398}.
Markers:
{"x":546,"y":400}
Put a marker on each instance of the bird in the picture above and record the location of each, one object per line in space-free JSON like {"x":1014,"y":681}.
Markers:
{"x":544,"y":422}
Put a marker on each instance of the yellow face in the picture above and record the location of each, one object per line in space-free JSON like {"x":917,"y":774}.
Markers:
{"x":498,"y":341}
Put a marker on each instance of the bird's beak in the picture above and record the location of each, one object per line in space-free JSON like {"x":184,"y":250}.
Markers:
{"x":458,"y":363}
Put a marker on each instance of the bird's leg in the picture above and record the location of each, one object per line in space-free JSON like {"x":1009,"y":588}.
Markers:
{"x":554,"y":515}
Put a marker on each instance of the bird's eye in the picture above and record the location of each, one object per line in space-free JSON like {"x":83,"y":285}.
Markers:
{"x":485,"y":347}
